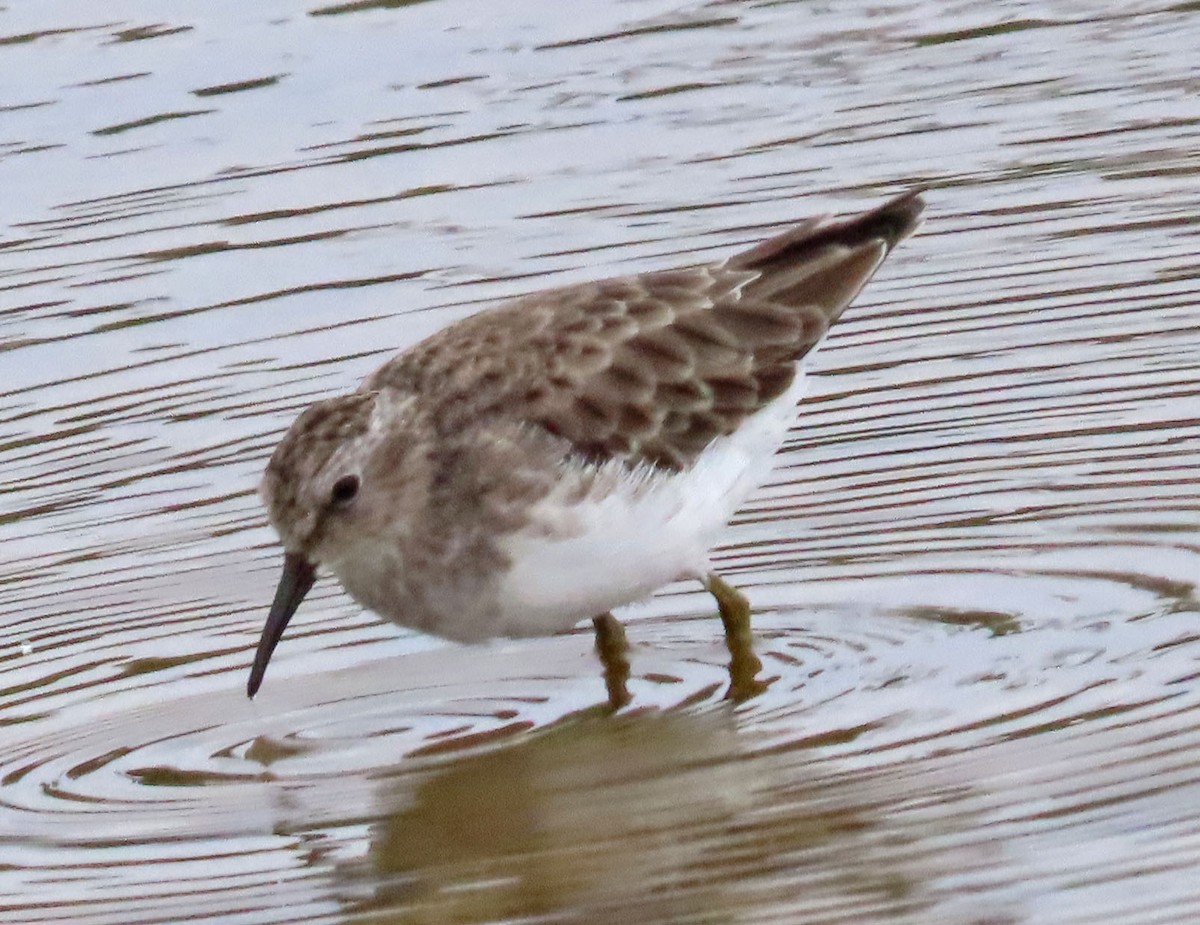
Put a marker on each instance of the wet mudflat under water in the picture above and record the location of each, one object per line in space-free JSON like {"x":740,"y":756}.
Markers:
{"x":974,"y":571}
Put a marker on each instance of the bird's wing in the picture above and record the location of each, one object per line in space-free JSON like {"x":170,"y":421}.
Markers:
{"x":651,"y":367}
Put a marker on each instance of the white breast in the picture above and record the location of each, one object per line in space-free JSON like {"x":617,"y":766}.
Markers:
{"x":633,"y":531}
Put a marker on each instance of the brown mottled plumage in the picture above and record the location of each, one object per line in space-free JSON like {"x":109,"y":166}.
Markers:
{"x":497,"y":443}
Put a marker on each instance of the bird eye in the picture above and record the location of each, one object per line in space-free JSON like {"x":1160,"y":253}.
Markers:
{"x":344,"y":490}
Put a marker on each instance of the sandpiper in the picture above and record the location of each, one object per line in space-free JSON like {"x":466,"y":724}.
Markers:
{"x":567,"y":452}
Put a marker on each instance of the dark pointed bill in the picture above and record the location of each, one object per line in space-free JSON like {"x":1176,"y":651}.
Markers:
{"x":298,"y":576}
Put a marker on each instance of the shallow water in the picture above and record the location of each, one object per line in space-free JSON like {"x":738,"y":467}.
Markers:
{"x":974,"y":571}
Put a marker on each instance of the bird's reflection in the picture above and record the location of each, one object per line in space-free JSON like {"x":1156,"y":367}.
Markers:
{"x":598,"y":816}
{"x":637,"y":818}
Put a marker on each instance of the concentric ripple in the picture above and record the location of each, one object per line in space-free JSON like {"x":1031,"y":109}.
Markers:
{"x":919,"y":724}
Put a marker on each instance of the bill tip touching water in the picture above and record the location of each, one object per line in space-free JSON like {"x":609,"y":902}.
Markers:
{"x":570,"y":451}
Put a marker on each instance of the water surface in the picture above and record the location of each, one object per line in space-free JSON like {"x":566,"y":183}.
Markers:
{"x":973,"y":571}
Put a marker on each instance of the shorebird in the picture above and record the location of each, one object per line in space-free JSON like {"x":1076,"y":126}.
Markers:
{"x":567,"y":452}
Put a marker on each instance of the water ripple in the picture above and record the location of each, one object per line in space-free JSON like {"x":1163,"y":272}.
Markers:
{"x":973,"y":573}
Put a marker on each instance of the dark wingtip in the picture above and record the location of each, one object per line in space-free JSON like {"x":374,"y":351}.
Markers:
{"x":893,"y":221}
{"x":897,"y":218}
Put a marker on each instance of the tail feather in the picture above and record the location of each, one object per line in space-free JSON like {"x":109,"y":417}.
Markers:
{"x":886,"y":225}
{"x":815,"y":269}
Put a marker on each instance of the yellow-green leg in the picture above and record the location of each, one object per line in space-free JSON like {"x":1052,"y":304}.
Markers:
{"x":744,"y":665}
{"x":613,"y":649}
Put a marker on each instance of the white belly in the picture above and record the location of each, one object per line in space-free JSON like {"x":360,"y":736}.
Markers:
{"x":634,"y":531}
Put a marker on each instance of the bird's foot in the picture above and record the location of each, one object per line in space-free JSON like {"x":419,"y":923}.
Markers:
{"x":744,"y":665}
{"x":613,"y":648}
